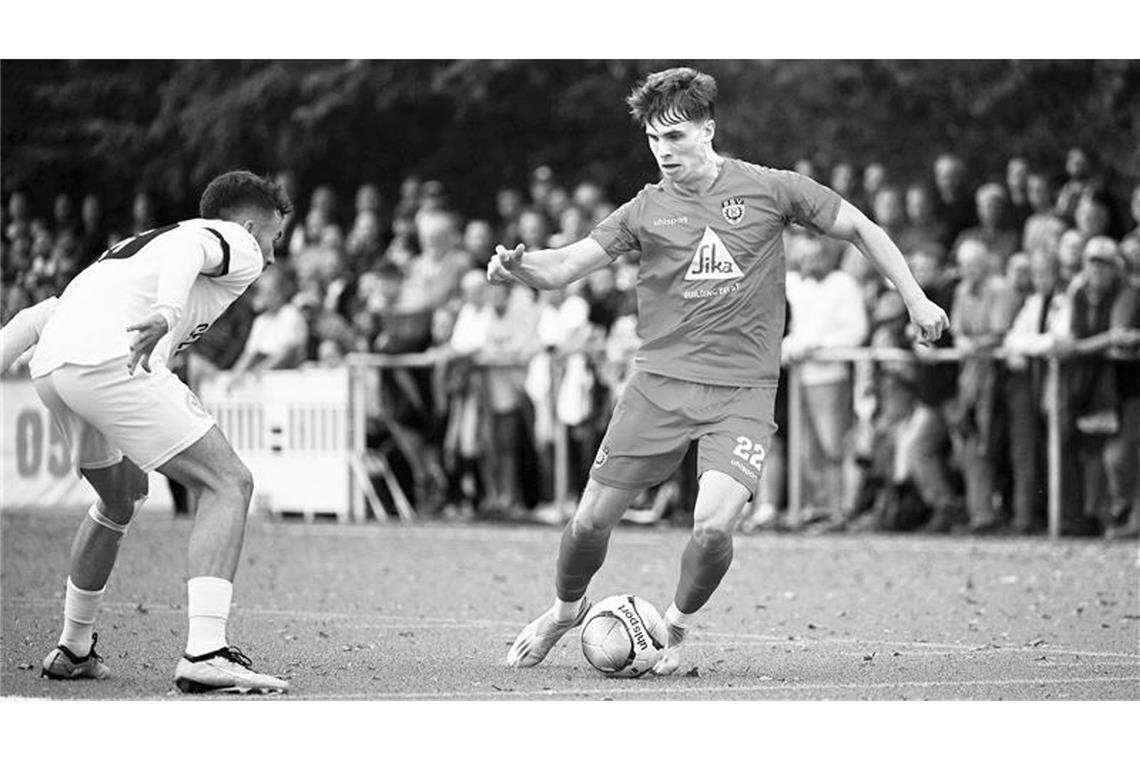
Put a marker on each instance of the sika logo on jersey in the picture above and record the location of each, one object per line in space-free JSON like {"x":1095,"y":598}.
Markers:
{"x":712,"y":261}
{"x":733,"y":210}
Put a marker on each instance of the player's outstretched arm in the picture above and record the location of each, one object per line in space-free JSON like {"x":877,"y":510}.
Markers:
{"x":23,"y":331}
{"x":548,"y":269}
{"x":873,"y":242}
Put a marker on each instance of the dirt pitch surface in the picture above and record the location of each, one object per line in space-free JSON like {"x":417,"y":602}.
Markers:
{"x":387,"y":612}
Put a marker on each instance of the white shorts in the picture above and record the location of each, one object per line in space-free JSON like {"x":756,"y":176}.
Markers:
{"x":105,"y":413}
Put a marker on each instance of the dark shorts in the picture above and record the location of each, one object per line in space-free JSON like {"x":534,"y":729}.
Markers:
{"x":657,"y":417}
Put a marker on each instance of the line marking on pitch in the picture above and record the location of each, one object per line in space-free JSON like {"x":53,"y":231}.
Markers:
{"x":403,"y":622}
{"x":676,"y":688}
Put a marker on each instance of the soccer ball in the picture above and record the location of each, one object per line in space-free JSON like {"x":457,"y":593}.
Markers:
{"x":623,"y":636}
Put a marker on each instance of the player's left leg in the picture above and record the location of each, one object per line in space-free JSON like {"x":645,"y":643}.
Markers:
{"x":721,"y":501}
{"x":121,"y":487}
{"x":735,"y":434}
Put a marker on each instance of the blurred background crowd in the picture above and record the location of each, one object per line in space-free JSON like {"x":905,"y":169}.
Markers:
{"x":1040,"y":260}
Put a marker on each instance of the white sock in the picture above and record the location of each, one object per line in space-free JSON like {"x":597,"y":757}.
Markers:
{"x":564,"y":611}
{"x":674,"y":616}
{"x":209,"y":608}
{"x":79,"y":607}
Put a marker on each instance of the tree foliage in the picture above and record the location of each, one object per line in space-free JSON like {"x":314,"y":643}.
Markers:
{"x":114,"y":126}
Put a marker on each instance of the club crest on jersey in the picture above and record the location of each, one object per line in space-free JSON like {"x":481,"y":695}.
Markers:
{"x":712,"y":261}
{"x":733,"y":210}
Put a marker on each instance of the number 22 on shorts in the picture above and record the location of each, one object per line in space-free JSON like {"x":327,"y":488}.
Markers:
{"x":747,"y":451}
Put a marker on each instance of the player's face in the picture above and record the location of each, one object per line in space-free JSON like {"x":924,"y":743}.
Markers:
{"x":267,"y":230}
{"x":681,"y":150}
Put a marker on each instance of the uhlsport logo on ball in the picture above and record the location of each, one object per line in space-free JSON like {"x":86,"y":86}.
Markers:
{"x":623,"y":636}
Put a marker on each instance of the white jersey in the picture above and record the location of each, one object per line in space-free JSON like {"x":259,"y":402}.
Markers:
{"x":216,"y":260}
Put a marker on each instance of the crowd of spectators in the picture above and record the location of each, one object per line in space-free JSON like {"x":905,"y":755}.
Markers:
{"x":1034,"y":264}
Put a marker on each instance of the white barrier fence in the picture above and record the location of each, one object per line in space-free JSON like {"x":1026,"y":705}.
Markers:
{"x":293,"y":430}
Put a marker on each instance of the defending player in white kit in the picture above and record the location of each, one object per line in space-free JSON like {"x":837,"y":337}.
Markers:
{"x":100,"y":367}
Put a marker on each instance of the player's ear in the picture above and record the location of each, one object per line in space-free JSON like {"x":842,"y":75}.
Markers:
{"x":709,"y":130}
{"x":249,"y":225}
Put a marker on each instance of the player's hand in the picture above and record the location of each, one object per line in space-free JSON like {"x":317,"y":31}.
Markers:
{"x":150,"y":331}
{"x":929,"y":320}
{"x":504,"y":262}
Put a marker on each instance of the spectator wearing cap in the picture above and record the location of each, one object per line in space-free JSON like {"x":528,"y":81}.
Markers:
{"x":1001,"y":243}
{"x":1091,"y":407}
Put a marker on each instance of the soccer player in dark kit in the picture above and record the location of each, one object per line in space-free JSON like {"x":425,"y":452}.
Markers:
{"x":710,"y":294}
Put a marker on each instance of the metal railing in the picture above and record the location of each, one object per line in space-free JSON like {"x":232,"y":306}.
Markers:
{"x":358,"y":363}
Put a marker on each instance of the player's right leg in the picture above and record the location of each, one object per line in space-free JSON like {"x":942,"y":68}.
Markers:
{"x":223,"y":486}
{"x":646,"y":440}
{"x":580,"y":555}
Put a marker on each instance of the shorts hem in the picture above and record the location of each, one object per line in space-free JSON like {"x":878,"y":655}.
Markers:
{"x":626,"y":487}
{"x":177,"y":448}
{"x":753,"y":488}
{"x":101,"y":464}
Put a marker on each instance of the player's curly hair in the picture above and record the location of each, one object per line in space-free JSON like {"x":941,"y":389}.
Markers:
{"x":673,"y":96}
{"x":231,"y":191}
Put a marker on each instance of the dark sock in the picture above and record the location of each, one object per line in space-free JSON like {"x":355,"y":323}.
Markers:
{"x":703,"y":564}
{"x":579,"y":557}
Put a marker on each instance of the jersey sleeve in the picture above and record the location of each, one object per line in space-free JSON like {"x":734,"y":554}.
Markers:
{"x":239,"y":256}
{"x":806,"y":202}
{"x":616,"y":233}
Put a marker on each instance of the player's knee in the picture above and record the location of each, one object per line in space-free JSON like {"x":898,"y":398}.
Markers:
{"x":712,"y":533}
{"x":588,"y":524}
{"x":116,"y":515}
